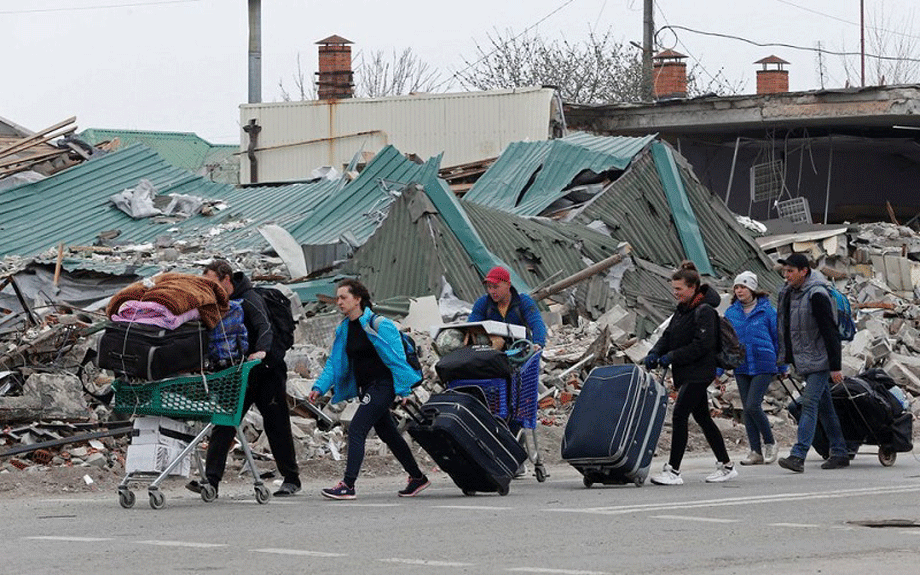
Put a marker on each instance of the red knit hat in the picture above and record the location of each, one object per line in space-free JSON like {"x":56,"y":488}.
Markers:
{"x":497,"y":274}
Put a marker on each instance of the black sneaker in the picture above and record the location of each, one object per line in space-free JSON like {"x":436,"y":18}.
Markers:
{"x":792,"y":463}
{"x":287,"y":489}
{"x":415,"y":486}
{"x":835,"y":462}
{"x":340,"y":491}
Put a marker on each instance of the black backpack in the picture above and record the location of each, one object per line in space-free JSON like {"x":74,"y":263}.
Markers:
{"x":730,"y":352}
{"x":281,"y":318}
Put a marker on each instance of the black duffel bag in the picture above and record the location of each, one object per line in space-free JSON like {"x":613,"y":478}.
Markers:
{"x":149,"y":352}
{"x":473,"y":362}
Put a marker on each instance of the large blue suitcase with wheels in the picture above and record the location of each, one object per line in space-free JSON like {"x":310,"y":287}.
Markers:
{"x":615,"y":425}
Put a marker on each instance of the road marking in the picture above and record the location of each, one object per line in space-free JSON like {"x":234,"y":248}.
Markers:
{"x":76,"y":539}
{"x":182,"y":544}
{"x":803,"y":525}
{"x":473,"y":507}
{"x":427,"y":562}
{"x":300,"y":552}
{"x":730,"y":501}
{"x":686,"y":518}
{"x":371,"y":505}
{"x":559,"y":571}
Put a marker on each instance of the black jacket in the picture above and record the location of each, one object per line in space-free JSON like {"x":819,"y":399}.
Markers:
{"x":255,"y":316}
{"x":691,"y":337}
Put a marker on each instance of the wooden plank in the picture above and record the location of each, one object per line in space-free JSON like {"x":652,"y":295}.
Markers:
{"x":28,"y":142}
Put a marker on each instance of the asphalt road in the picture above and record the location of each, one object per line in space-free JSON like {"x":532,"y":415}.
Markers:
{"x":767,"y":521}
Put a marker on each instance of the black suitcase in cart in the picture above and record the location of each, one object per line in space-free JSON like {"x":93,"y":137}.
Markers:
{"x":614,"y":427}
{"x":149,"y":352}
{"x":470,"y":444}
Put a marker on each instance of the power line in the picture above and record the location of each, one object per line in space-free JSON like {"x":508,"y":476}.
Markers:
{"x":99,"y":7}
{"x":782,"y":45}
{"x":497,"y":48}
{"x":845,"y":21}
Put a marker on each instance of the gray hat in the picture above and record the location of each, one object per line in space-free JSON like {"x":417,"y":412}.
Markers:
{"x":747,"y":279}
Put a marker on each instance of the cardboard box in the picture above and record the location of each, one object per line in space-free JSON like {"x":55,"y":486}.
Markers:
{"x":154,"y":458}
{"x":161,"y":431}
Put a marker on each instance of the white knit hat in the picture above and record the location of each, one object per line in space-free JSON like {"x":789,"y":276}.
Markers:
{"x":747,"y":279}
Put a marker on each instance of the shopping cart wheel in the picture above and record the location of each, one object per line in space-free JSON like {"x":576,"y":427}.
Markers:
{"x":587,"y":482}
{"x":126,"y":498}
{"x":262,"y":494}
{"x":157,"y":500}
{"x":469,"y":492}
{"x":887,"y":457}
{"x":540,"y":472}
{"x":208,"y":493}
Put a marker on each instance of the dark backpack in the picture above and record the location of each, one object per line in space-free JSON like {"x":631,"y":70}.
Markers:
{"x":281,"y":318}
{"x":409,"y":347}
{"x":730,"y":352}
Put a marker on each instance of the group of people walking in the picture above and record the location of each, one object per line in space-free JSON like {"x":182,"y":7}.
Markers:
{"x":367,"y":361}
{"x":802,"y":334}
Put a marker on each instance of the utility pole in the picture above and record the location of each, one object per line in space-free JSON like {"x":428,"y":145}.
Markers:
{"x":862,"y":44}
{"x":255,"y":51}
{"x":648,"y":33}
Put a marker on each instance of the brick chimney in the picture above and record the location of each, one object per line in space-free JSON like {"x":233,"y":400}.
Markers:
{"x":670,"y":72}
{"x":772,"y":79}
{"x":335,"y":78}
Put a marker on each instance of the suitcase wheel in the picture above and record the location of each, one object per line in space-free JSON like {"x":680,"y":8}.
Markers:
{"x":469,"y":492}
{"x":887,"y":457}
{"x":503,"y":490}
{"x":587,"y":482}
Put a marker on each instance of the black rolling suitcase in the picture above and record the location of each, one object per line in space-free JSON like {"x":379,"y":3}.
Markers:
{"x":149,"y":352}
{"x":470,"y":444}
{"x":614,"y":427}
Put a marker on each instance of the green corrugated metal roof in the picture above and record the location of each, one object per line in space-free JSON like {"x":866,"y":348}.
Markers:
{"x":529,"y":176}
{"x":181,"y":149}
{"x":73,"y":206}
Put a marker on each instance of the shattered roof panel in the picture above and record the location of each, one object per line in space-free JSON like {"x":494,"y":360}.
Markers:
{"x":180,"y":149}
{"x":73,"y":206}
{"x":552,"y":165}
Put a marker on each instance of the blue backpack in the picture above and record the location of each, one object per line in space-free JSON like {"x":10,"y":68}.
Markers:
{"x":409,"y":347}
{"x":844,"y":316}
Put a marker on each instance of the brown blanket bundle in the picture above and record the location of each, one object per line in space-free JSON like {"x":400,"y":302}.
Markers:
{"x":178,"y":293}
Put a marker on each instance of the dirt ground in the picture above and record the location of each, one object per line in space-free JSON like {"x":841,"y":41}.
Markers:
{"x":42,"y":481}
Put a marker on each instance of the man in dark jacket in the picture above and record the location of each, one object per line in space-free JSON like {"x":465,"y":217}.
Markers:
{"x":267,"y":387}
{"x":808,"y":339}
{"x":503,"y":303}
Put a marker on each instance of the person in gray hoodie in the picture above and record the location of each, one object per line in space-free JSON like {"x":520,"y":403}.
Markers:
{"x":808,"y":340}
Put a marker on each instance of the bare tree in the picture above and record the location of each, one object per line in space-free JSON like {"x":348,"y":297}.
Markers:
{"x":892,"y":52}
{"x":405,"y":73}
{"x":597,"y":70}
{"x":303,"y":89}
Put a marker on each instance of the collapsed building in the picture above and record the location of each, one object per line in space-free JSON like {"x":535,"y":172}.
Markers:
{"x":547,"y":210}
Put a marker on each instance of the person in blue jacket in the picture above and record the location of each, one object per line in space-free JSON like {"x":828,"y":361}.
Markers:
{"x":368,"y":361}
{"x":503,"y":303}
{"x":754,"y":320}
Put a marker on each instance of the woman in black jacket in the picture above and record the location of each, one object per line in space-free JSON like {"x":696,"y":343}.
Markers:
{"x":689,"y":345}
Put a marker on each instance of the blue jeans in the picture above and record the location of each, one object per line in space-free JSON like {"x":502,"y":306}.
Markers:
{"x":817,"y":405}
{"x":756,"y":424}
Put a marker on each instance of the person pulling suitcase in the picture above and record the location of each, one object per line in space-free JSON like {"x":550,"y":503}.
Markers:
{"x":688,"y":345}
{"x":369,"y":363}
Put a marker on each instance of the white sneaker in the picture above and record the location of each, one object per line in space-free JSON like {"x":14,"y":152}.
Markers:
{"x":722,"y":473}
{"x":753,"y":458}
{"x":668,"y":477}
{"x":769,"y":452}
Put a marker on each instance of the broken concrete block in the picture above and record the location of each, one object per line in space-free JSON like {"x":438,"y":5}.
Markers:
{"x":348,"y":413}
{"x":852,"y":366}
{"x":878,"y":351}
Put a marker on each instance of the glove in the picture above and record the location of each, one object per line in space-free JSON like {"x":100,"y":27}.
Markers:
{"x":665,"y":360}
{"x":650,"y":361}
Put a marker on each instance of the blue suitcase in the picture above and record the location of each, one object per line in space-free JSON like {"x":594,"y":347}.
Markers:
{"x":615,"y":425}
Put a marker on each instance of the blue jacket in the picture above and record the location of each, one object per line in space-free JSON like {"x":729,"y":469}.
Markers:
{"x":522,"y":311}
{"x":337,"y":372}
{"x":757,"y":331}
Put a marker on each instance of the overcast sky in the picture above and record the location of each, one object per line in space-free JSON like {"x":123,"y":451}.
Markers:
{"x":181,"y":65}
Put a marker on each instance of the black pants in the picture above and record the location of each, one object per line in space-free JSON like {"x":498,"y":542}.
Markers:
{"x":268,"y":391}
{"x":692,"y":399}
{"x":374,"y":412}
